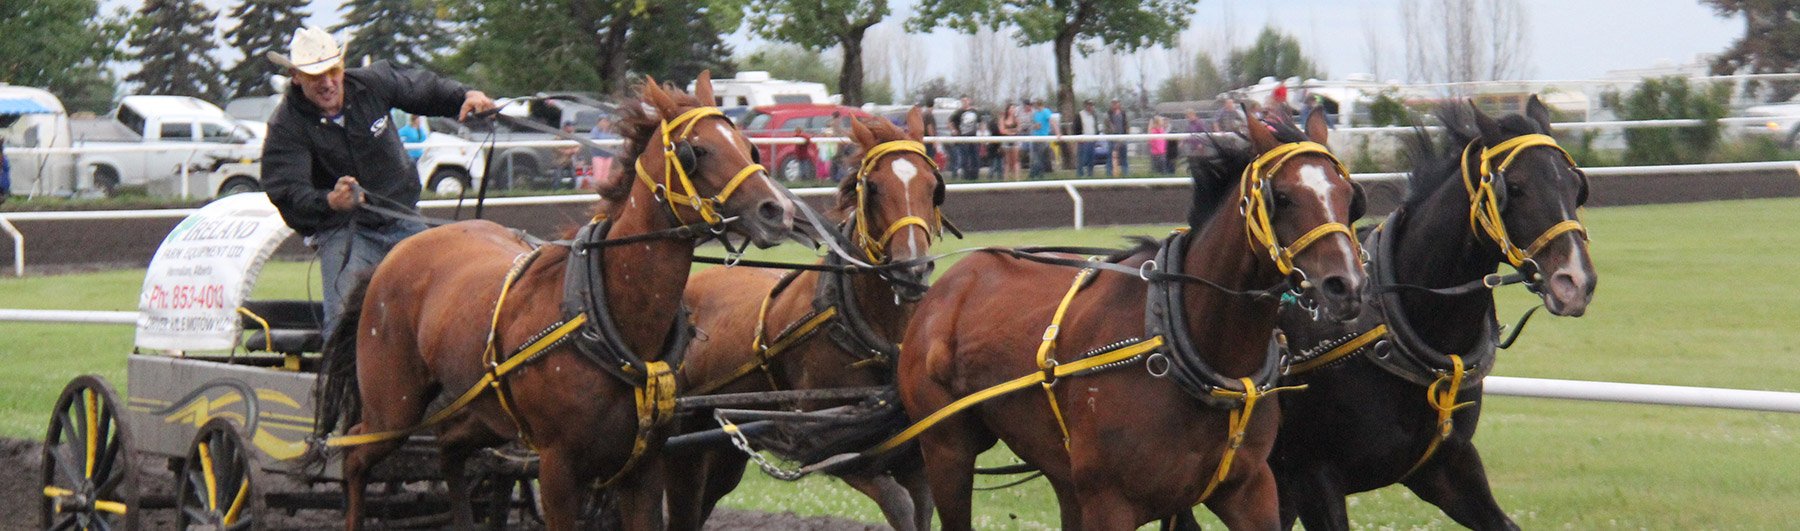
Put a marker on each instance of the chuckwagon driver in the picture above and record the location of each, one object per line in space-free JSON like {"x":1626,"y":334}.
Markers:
{"x":331,"y":133}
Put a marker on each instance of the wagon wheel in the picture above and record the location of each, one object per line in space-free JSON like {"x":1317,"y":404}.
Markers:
{"x":89,"y":474}
{"x":217,"y":487}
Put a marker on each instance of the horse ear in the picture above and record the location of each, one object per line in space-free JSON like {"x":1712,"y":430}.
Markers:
{"x":654,"y":94}
{"x":1537,"y":112}
{"x":1317,"y":129}
{"x":861,"y":134}
{"x":915,"y":125}
{"x":1261,"y":139}
{"x":703,"y":88}
{"x":1490,"y":130}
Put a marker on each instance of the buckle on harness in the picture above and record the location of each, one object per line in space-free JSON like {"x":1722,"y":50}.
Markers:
{"x":1050,"y":332}
{"x":1050,"y":371}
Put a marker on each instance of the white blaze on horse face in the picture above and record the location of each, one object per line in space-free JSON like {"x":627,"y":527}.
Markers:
{"x":725,"y":132}
{"x":905,"y":170}
{"x":1314,"y":178}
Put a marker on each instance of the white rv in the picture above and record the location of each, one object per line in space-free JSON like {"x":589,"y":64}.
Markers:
{"x":33,"y":118}
{"x":754,"y":89}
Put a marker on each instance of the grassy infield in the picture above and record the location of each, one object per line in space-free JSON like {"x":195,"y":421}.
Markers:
{"x":1690,"y":294}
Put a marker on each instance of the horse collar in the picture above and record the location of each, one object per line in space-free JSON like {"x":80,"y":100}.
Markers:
{"x":1166,"y":316}
{"x":1410,"y":356}
{"x":851,"y":331}
{"x":598,"y":340}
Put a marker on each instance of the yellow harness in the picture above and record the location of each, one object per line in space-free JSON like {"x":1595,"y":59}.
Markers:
{"x":1257,"y":205}
{"x":674,"y":173}
{"x":1484,"y":202}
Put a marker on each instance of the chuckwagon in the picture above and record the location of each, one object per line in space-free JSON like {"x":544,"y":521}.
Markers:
{"x":220,"y":387}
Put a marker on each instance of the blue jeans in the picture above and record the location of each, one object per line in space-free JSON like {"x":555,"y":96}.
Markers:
{"x":350,"y":251}
{"x":1040,"y":159}
{"x":1084,"y":159}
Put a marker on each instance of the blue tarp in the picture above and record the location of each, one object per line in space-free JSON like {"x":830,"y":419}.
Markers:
{"x":12,"y":106}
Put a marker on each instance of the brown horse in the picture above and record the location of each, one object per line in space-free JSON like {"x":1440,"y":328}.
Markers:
{"x":891,"y":206}
{"x":1404,"y":410}
{"x":1137,"y":447}
{"x":426,"y":314}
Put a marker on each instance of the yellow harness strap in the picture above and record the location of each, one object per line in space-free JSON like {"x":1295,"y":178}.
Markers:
{"x":876,"y":248}
{"x":1444,"y":401}
{"x":763,"y":353}
{"x":1257,"y":225}
{"x":1239,"y":424}
{"x":1342,"y":350}
{"x":1046,"y":362}
{"x":676,"y":174}
{"x":655,"y":408}
{"x":1484,"y":203}
{"x":268,"y":335}
{"x":1058,"y":371}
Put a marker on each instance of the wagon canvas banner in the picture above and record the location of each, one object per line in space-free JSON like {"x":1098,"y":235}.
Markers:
{"x":204,"y":270}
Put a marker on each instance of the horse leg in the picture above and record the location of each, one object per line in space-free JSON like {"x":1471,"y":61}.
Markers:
{"x":452,"y":461}
{"x":1181,"y":521}
{"x":1250,"y":504}
{"x":640,"y":495}
{"x":912,"y":477}
{"x":889,"y":495}
{"x":725,"y":471}
{"x":559,"y":489}
{"x":382,"y":414}
{"x":1314,"y":497}
{"x":950,"y":471}
{"x":696,"y":485}
{"x":1107,"y":510}
{"x":1457,"y":483}
{"x":1067,"y":507}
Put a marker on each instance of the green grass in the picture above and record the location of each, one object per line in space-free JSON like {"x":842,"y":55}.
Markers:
{"x":1695,"y":294}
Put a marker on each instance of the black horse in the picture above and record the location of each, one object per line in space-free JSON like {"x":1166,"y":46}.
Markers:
{"x":1395,"y":397}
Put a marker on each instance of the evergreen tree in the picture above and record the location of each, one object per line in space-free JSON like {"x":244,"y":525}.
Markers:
{"x":263,"y":26}
{"x":1771,"y":42}
{"x":679,"y":60}
{"x":61,"y":46}
{"x":406,"y":32}
{"x":175,"y":41}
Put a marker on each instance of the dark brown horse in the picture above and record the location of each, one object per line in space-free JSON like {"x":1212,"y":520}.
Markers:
{"x":1403,"y":410}
{"x":838,"y":337}
{"x":424,"y":319}
{"x":1139,"y":447}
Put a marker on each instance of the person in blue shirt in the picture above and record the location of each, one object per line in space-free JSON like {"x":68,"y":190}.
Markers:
{"x":413,"y":132}
{"x":5,"y":173}
{"x":600,"y":161}
{"x":1040,"y":151}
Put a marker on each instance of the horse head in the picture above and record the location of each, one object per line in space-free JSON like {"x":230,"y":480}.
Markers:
{"x":698,"y":162}
{"x":1298,"y":203}
{"x":893,"y":200}
{"x":1525,"y":192}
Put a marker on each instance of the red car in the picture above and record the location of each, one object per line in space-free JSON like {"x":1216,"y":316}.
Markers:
{"x":791,"y":162}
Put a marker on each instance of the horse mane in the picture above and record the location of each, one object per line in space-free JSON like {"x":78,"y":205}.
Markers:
{"x":638,"y":122}
{"x":884,"y":131}
{"x":1435,"y":164}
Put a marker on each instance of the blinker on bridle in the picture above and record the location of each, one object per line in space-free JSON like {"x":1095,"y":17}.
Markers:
{"x":1486,"y":201}
{"x":677,"y":165}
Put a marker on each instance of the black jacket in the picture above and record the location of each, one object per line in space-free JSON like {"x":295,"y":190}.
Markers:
{"x":305,"y":153}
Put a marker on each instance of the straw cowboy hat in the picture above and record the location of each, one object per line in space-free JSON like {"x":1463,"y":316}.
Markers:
{"x":314,"y":52}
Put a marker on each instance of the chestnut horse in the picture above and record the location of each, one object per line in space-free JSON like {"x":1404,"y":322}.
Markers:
{"x":430,"y":311}
{"x":1404,"y":409}
{"x":844,"y":336}
{"x":1137,"y":447}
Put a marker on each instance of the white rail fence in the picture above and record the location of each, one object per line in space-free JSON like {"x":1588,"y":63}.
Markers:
{"x":1617,"y":392}
{"x":1072,"y":188}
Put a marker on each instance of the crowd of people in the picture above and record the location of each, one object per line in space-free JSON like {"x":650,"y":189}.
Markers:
{"x":1014,"y":160}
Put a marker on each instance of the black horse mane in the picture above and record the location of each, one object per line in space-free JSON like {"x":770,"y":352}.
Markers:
{"x":1434,"y":164}
{"x":1215,"y":177}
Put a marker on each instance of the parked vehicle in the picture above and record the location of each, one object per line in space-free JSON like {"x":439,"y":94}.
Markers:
{"x":755,"y":89}
{"x":1780,"y":121}
{"x":33,"y":118}
{"x":176,"y":123}
{"x":792,"y":162}
{"x":533,"y":166}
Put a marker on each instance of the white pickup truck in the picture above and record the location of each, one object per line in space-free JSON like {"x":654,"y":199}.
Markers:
{"x":162,"y":143}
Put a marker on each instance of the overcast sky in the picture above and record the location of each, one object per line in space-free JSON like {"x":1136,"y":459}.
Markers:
{"x":1568,"y":39}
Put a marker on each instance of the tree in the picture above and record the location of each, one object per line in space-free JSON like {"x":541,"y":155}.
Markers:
{"x":175,"y":41}
{"x":787,"y":61}
{"x":62,"y":46}
{"x":1464,"y":40}
{"x":680,"y":60}
{"x":1272,"y":55}
{"x":263,"y":26}
{"x":1771,"y":41}
{"x":1671,"y":98}
{"x":1119,"y":24}
{"x":1201,"y":81}
{"x":532,"y":45}
{"x":407,"y":32}
{"x":821,"y":24}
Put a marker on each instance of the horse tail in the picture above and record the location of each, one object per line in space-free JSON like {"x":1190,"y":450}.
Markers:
{"x":337,"y":404}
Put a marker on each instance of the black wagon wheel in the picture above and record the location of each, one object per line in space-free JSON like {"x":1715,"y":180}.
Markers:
{"x":89,"y":474}
{"x":217,"y":487}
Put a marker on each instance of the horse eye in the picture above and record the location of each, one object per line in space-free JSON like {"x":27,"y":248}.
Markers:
{"x":699,"y":151}
{"x":1513,"y":190}
{"x":1282,"y":200}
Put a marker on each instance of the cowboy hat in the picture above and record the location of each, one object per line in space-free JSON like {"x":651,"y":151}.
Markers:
{"x":314,"y":52}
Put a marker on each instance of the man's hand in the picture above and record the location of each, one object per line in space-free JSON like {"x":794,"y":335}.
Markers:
{"x":475,"y":102}
{"x":344,"y":197}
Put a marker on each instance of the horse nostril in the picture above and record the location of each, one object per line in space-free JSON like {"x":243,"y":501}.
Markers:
{"x":770,"y":211}
{"x":1335,"y":286}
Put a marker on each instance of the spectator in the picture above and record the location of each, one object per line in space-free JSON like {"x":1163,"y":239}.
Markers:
{"x":1087,"y":123}
{"x":1008,"y":125}
{"x":563,"y":161}
{"x":5,"y":173}
{"x":1118,"y":123}
{"x":964,"y":157}
{"x":840,"y":152}
{"x":412,"y":133}
{"x":1040,"y":151}
{"x":600,"y":161}
{"x":1159,"y":148}
{"x":990,"y":127}
{"x":924,"y":109}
